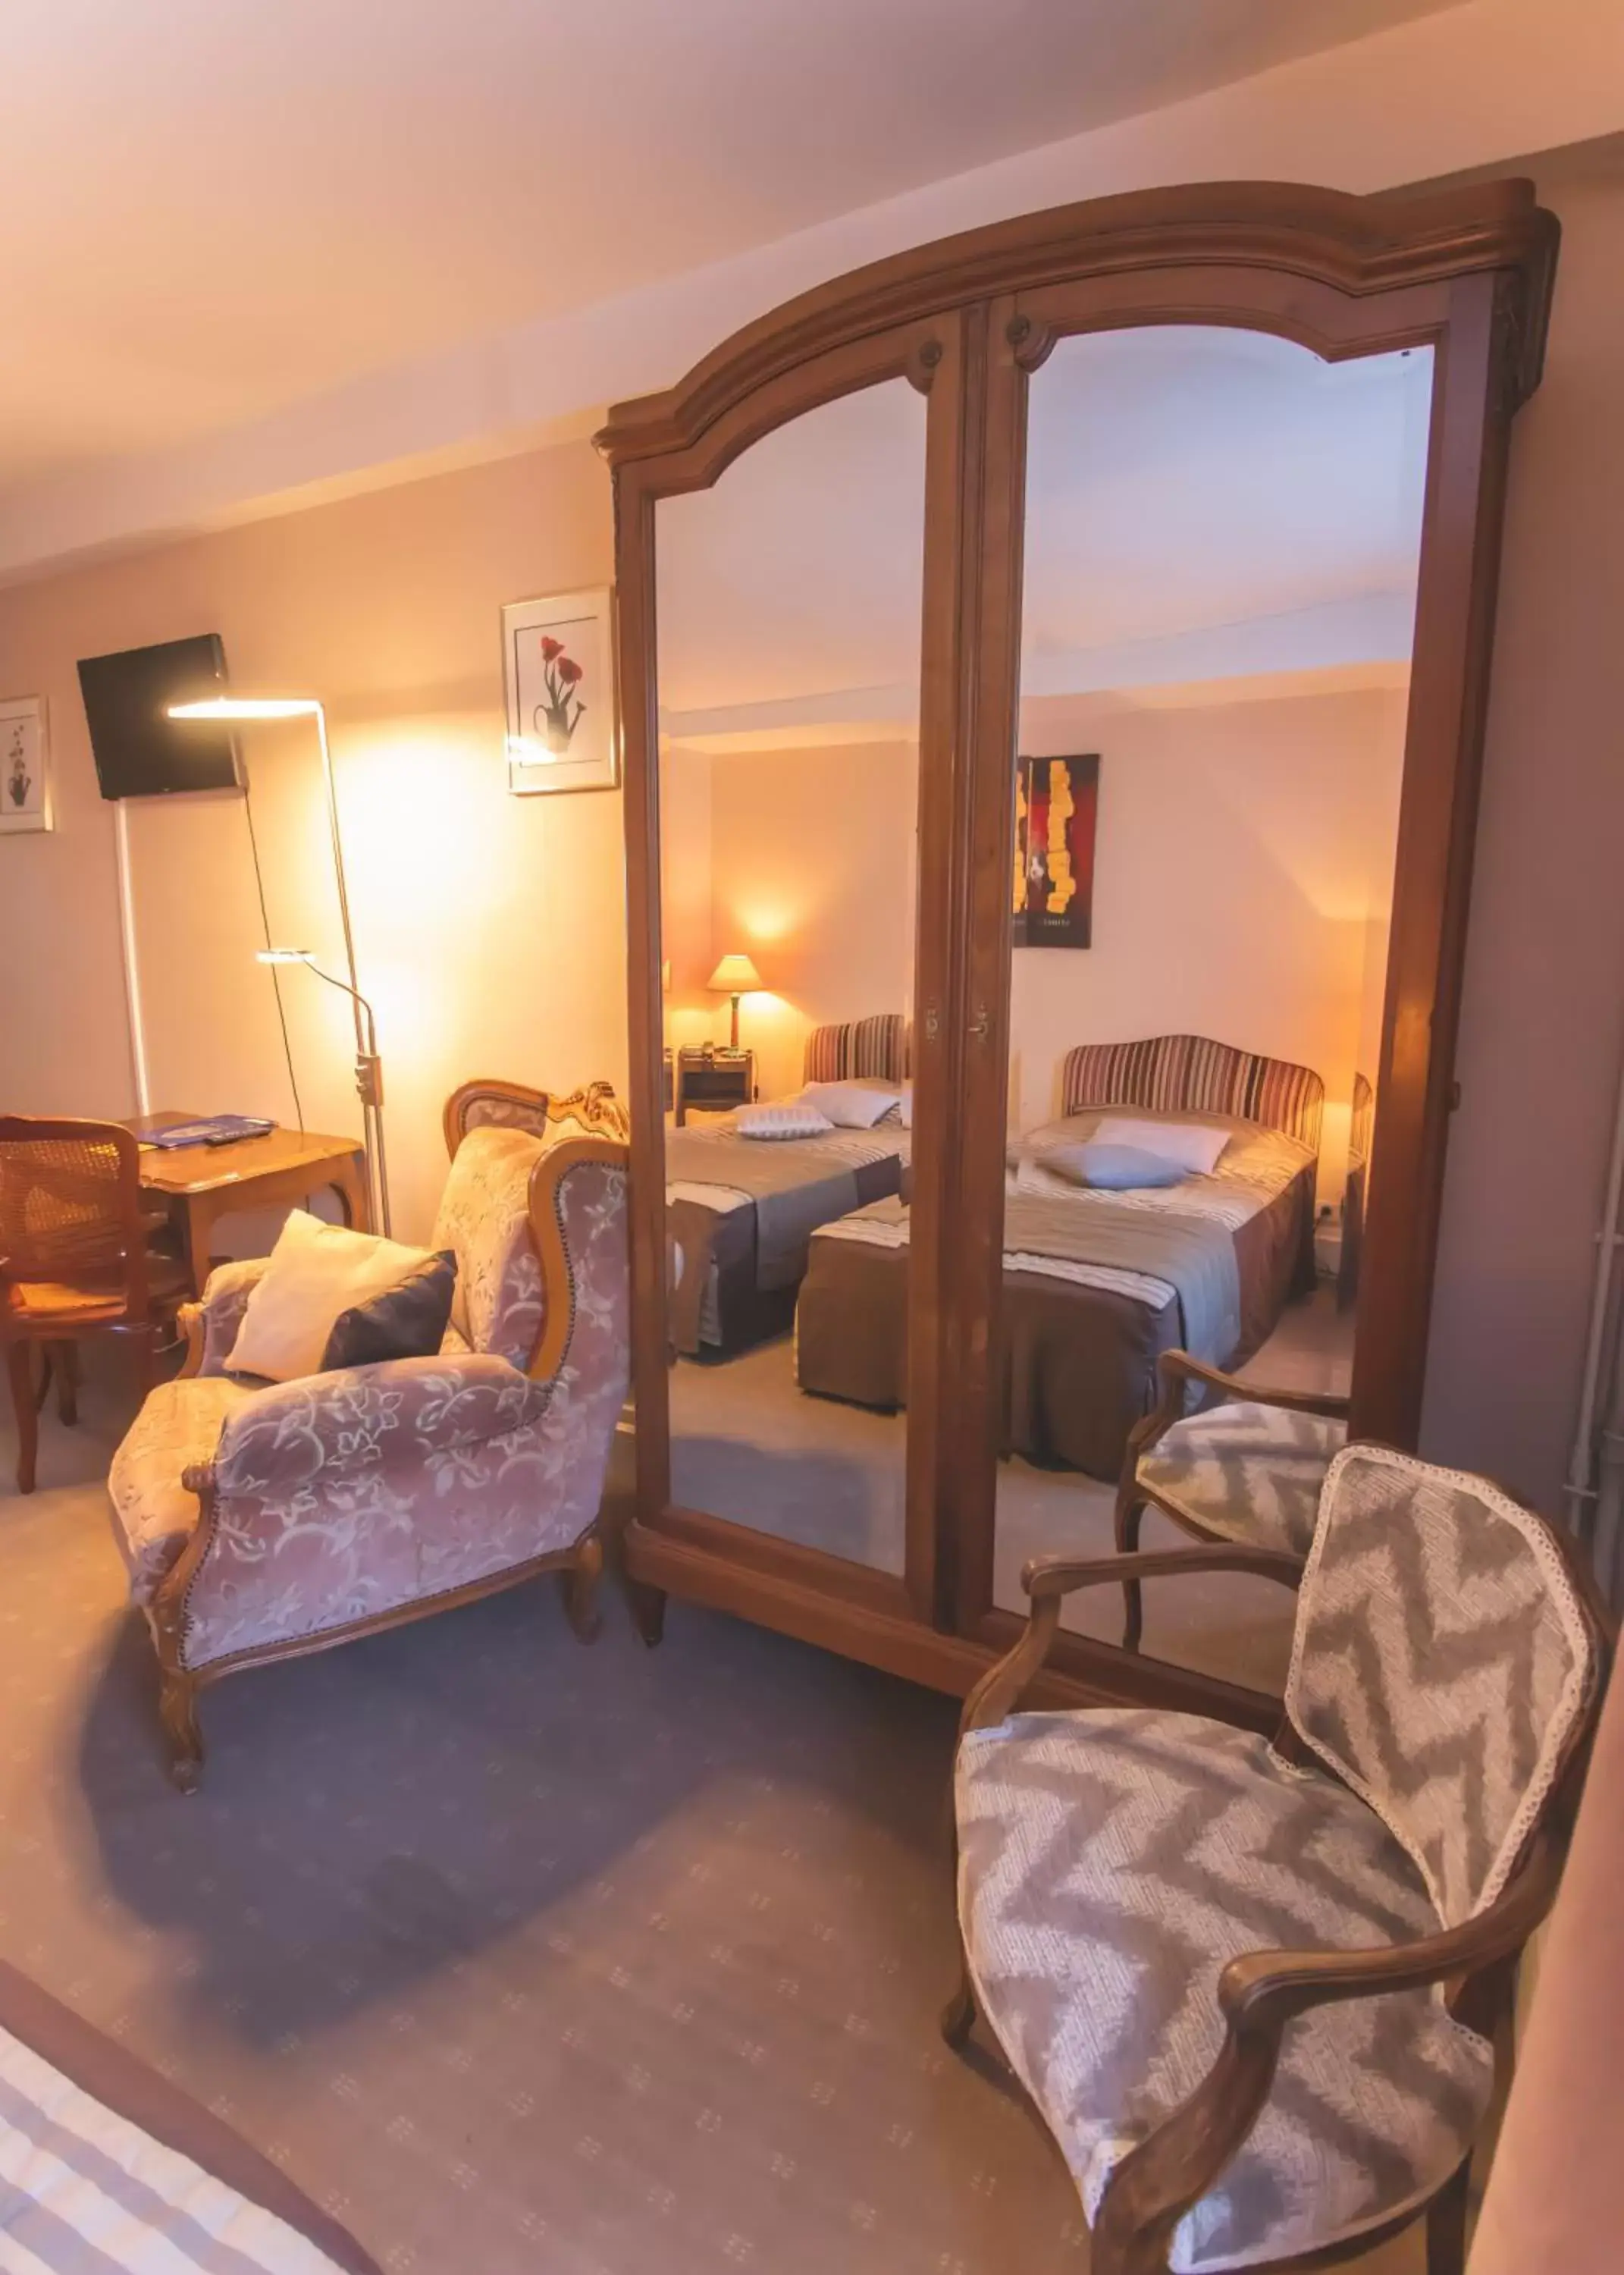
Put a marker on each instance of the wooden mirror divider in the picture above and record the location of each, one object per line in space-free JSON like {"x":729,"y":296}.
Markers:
{"x":969,"y":320}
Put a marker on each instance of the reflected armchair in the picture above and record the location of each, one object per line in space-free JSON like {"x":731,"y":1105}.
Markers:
{"x":1249,"y":1469}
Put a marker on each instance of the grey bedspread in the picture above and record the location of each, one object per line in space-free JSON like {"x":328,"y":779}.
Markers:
{"x":1195,"y":1256}
{"x":792,"y":1187}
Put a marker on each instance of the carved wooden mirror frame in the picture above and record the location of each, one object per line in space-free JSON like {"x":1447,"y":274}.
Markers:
{"x":1468,"y":273}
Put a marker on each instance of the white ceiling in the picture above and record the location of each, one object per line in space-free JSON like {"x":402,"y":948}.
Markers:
{"x":218,"y":208}
{"x":1201,"y":503}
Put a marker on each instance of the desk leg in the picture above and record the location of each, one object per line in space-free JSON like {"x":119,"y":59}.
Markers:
{"x":197,"y":1215}
{"x":349,"y":1181}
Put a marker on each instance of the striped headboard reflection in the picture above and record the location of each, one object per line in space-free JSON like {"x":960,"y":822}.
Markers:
{"x":876,"y":1047}
{"x":1189,"y":1074}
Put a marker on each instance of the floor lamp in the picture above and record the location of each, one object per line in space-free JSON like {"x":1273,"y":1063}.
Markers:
{"x":242,"y":709}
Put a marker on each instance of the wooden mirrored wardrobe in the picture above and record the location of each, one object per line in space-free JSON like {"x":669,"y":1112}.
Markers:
{"x":1052,"y":665}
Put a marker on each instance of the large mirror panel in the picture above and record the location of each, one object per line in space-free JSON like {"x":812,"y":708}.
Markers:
{"x":1222,"y":550}
{"x":788,"y":606}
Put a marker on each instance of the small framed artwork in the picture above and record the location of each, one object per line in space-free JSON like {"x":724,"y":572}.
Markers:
{"x":558,"y":670}
{"x":1056,"y":811}
{"x":25,"y":767}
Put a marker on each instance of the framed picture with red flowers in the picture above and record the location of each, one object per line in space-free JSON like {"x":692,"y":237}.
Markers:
{"x":24,"y":767}
{"x":558,"y":671}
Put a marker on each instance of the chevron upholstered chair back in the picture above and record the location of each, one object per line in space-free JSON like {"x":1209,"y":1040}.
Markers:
{"x":1442,"y":1664}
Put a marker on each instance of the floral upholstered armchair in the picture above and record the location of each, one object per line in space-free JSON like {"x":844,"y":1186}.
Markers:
{"x":262,"y":1521}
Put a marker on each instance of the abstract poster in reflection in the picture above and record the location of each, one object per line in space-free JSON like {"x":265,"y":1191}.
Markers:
{"x":1056,"y":808}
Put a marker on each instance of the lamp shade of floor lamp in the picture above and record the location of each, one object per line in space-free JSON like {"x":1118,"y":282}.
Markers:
{"x":368,"y":1068}
{"x":735,"y":976}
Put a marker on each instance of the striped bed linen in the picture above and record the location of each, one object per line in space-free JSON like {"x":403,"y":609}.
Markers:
{"x":83,"y":2191}
{"x":1172,"y":1074}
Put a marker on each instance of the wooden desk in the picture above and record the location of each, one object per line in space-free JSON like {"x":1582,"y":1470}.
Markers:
{"x":201,"y":1183}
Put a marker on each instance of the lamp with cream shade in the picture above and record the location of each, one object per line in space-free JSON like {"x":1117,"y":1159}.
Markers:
{"x":735,"y":976}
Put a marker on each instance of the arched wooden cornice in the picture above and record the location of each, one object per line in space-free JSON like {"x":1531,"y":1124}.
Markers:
{"x":1354,"y":245}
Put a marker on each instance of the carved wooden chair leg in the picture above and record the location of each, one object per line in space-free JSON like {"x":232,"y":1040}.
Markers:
{"x":1129,"y":1518}
{"x":580,"y":1582}
{"x":958,"y":2016}
{"x":647,"y":1607}
{"x":1446,"y":2225}
{"x":178,"y":1712}
{"x":19,"y":1367}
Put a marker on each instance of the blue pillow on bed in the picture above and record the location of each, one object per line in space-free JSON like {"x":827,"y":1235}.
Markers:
{"x":1111,"y":1169}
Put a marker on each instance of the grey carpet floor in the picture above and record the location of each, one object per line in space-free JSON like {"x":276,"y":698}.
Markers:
{"x":522,"y":1956}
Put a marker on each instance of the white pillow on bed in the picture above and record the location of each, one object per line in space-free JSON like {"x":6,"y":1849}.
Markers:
{"x":1194,"y":1146}
{"x":849,"y":1105}
{"x":785,"y":1117}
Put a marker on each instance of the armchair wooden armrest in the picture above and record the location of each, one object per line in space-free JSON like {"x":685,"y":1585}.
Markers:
{"x":1048,"y":1579}
{"x":1176,"y":1368}
{"x":1153,"y":2186}
{"x":191,"y":1321}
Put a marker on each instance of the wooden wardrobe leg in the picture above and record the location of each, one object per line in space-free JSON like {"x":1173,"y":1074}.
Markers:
{"x":178,"y":1712}
{"x":19,"y":1367}
{"x":647,"y":1606}
{"x":580,"y":1582}
{"x":1446,"y":2225}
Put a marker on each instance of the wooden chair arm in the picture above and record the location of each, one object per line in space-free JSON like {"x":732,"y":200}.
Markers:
{"x":1266,"y":1988}
{"x":189,"y":1320}
{"x":1064,"y":1576}
{"x":1153,"y":2186}
{"x":1047,"y":1579}
{"x":1176,"y":1368}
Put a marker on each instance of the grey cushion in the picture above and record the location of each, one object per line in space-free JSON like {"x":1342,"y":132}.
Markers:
{"x":406,"y":1321}
{"x":1112,"y":1863}
{"x":1111,"y":1169}
{"x":1246,"y":1472}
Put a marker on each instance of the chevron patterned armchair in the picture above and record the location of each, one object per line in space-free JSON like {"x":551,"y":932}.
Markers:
{"x":1249,"y":1470}
{"x":1253,"y":1988}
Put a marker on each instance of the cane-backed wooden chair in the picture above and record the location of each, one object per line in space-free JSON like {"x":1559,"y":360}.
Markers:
{"x":1147,"y":1899}
{"x":74,"y":1261}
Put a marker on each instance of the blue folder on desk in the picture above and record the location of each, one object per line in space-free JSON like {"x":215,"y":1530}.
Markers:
{"x":212,"y":1130}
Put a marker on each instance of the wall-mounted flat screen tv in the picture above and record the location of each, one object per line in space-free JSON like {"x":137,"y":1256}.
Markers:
{"x":139,"y":750}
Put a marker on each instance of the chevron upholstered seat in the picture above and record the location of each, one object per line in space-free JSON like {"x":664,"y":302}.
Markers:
{"x":1111,"y":1863}
{"x":1121,"y":1869}
{"x":1245,"y":1472}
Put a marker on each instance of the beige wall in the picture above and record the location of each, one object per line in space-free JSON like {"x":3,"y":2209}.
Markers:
{"x":489,"y":929}
{"x":1243,"y":849}
{"x":812,"y":872}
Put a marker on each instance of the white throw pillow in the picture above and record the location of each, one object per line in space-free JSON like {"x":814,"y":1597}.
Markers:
{"x":786,"y":1117}
{"x":1194,"y":1146}
{"x":315,"y":1271}
{"x":850,"y":1105}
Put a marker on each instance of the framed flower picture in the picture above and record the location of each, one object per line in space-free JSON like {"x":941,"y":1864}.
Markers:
{"x":25,"y":767}
{"x":558,"y":670}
